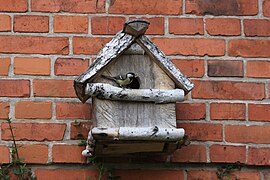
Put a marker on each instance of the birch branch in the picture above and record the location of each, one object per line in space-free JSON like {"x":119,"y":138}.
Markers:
{"x":109,"y":92}
{"x":139,"y":133}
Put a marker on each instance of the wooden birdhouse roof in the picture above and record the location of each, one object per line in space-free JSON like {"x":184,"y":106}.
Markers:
{"x":133,"y":32}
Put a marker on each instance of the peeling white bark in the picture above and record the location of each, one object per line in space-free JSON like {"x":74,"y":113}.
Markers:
{"x":105,"y":133}
{"x":109,"y":92}
{"x":139,"y":133}
{"x":165,"y":63}
{"x":133,"y":134}
{"x":151,"y":133}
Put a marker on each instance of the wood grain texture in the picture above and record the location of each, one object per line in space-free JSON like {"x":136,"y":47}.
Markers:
{"x":128,"y":148}
{"x":135,"y":114}
{"x":106,"y":55}
{"x":136,"y":27}
{"x":165,"y":63}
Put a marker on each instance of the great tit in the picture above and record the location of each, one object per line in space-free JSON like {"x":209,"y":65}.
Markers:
{"x":122,"y":80}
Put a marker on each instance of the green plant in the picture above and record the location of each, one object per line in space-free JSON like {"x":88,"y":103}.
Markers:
{"x":224,"y":172}
{"x":83,"y":142}
{"x":16,"y":167}
{"x":103,"y":169}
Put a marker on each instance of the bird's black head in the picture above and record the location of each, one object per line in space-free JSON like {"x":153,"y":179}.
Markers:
{"x":136,"y":82}
{"x":131,"y":75}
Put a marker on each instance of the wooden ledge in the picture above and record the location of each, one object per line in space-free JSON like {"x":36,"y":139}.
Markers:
{"x":133,"y":140}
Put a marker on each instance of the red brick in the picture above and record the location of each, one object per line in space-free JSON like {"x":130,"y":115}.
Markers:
{"x":4,"y":154}
{"x":80,"y":132}
{"x":170,"y":7}
{"x":249,"y":48}
{"x":185,"y":26}
{"x":5,"y":23}
{"x":70,"y":66}
{"x":258,"y":69}
{"x":71,"y":24}
{"x":259,"y":156}
{"x":191,"y":46}
{"x":222,"y":7}
{"x":88,"y":45}
{"x":13,"y":5}
{"x":156,"y":26}
{"x":247,"y":134}
{"x":190,"y":153}
{"x":34,"y":153}
{"x":259,"y":112}
{"x":32,"y":66}
{"x":231,"y":90}
{"x":53,"y":88}
{"x":228,"y":154}
{"x":33,"y":110}
{"x":191,"y":68}
{"x":27,"y":23}
{"x":194,"y":111}
{"x":34,"y":45}
{"x":246,"y":175}
{"x":4,"y":66}
{"x":107,"y":25}
{"x":35,"y":131}
{"x":150,"y":174}
{"x":257,"y":27}
{"x":15,"y":88}
{"x":66,"y":174}
{"x":201,"y":175}
{"x":225,"y":68}
{"x":61,"y":153}
{"x":223,"y":27}
{"x":266,"y":8}
{"x":4,"y":110}
{"x":208,"y":174}
{"x":227,"y":111}
{"x":202,"y":131}
{"x":74,"y":6}
{"x":73,"y":111}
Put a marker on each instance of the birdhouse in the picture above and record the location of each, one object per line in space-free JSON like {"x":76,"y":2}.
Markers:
{"x":133,"y":113}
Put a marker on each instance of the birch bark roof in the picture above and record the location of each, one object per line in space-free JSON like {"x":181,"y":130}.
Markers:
{"x":133,"y":32}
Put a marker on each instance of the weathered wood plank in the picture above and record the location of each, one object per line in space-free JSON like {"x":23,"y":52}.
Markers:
{"x":134,"y":114}
{"x":128,"y":148}
{"x":136,"y":27}
{"x":160,"y":58}
{"x":109,"y":52}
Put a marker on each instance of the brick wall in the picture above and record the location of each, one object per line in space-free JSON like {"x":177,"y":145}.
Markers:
{"x":223,"y":46}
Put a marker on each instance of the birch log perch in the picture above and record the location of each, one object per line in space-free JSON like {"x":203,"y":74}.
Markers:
{"x":130,"y":135}
{"x":138,"y":133}
{"x":109,"y":92}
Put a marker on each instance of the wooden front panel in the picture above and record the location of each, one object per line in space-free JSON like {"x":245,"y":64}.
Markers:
{"x":135,"y":114}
